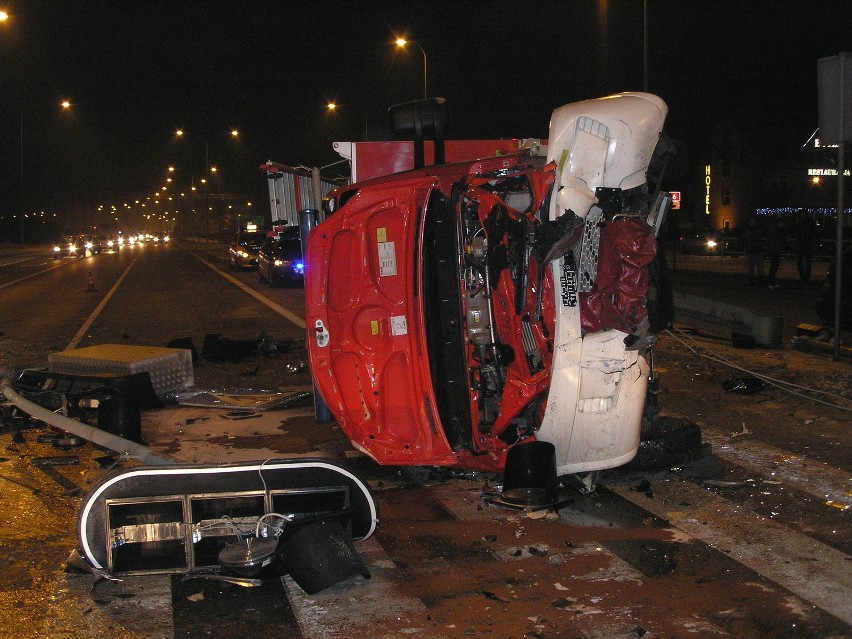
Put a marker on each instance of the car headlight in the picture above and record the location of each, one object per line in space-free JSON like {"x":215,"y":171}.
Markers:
{"x":711,"y":243}
{"x":243,"y":254}
{"x":56,"y":248}
{"x":278,"y":262}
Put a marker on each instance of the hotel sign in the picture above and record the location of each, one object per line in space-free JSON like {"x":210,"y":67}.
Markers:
{"x":707,"y":180}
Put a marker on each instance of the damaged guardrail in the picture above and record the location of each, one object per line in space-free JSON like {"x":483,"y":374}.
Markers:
{"x":93,"y":434}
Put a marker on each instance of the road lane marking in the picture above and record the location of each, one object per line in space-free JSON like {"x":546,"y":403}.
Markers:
{"x":27,"y":258}
{"x":91,"y":319}
{"x":26,"y":277}
{"x":814,"y":478}
{"x":808,"y":568}
{"x":283,"y":312}
{"x":354,"y":603}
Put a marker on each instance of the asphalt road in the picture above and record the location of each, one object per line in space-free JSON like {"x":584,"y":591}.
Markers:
{"x":752,"y":540}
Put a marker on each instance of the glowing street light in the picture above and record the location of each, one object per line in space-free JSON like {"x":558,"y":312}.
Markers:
{"x":401,"y":43}
{"x":3,"y":16}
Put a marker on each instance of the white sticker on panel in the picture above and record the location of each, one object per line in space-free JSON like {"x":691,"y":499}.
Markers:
{"x":399,"y":326}
{"x":387,"y":259}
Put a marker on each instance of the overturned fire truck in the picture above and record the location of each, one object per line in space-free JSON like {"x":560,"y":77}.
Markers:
{"x":457,"y":310}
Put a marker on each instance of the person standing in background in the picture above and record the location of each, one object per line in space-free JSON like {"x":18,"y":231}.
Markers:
{"x":806,"y":236}
{"x":754,"y":252}
{"x":774,"y":248}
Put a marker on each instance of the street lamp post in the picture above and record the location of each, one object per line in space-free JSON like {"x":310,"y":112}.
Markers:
{"x":208,"y":170}
{"x":401,"y":42}
{"x":65,"y":104}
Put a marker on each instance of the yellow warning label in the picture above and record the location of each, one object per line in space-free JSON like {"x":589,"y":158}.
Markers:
{"x":381,"y":234}
{"x":374,"y":327}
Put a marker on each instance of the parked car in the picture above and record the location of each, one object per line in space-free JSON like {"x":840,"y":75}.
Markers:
{"x":242,"y":253}
{"x":280,"y":262}
{"x":68,"y":246}
{"x":825,"y":304}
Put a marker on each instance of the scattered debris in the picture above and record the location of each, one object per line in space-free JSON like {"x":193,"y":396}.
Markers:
{"x":295,"y":367}
{"x":490,"y":595}
{"x":644,"y":486}
{"x":837,"y":504}
{"x":241,"y":398}
{"x":718,"y":483}
{"x":240,"y":414}
{"x":745,"y":432}
{"x":744,"y":385}
{"x":185,"y":343}
{"x":218,"y":348}
{"x":65,"y":442}
{"x":809,"y":344}
{"x":49,"y":462}
{"x":245,"y":582}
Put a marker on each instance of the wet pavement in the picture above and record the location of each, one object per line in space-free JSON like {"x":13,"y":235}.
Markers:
{"x":734,"y":544}
{"x":751,"y":540}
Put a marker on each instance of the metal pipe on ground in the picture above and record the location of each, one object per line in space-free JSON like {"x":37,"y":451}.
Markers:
{"x":93,"y":434}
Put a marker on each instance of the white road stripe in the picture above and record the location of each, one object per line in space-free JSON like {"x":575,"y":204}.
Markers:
{"x":806,"y":567}
{"x":26,"y":277}
{"x":602,"y":621}
{"x":815,"y":478}
{"x":355,"y":603}
{"x":94,"y":315}
{"x":283,"y":312}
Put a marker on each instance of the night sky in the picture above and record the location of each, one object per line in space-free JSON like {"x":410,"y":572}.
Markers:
{"x":136,"y":71}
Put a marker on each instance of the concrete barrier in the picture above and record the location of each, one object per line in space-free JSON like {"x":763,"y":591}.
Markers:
{"x":728,"y":320}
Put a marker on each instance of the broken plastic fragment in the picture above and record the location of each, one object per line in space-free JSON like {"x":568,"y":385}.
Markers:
{"x":744,"y":385}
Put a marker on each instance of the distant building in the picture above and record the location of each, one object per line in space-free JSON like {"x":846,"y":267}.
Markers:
{"x":732,"y":179}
